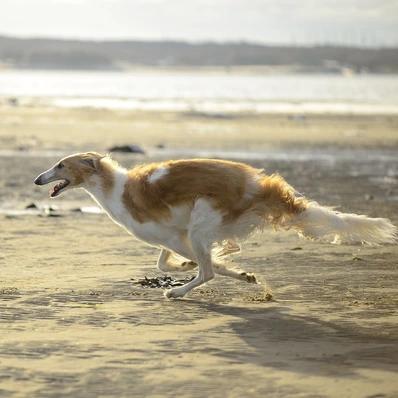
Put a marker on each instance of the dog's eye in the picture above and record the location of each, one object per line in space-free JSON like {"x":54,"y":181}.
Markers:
{"x":60,"y":166}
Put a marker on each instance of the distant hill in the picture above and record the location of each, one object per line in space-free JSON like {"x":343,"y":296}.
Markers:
{"x":114,"y":55}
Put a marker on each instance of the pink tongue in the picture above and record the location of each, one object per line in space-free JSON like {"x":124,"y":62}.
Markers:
{"x":55,"y":190}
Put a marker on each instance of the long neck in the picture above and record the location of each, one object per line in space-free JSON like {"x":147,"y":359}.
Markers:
{"x":107,"y":187}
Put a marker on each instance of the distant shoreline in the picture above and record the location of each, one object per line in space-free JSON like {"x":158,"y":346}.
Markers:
{"x":57,"y":54}
{"x":217,"y":70}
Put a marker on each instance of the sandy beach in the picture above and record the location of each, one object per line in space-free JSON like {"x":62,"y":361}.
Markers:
{"x":74,"y":322}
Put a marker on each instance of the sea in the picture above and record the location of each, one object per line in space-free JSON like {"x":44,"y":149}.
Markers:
{"x":205,"y":91}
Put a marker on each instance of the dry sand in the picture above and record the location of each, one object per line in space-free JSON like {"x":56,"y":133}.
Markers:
{"x":73,"y":323}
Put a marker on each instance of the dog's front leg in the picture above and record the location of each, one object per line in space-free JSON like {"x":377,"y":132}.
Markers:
{"x":163,"y":260}
{"x":205,"y":273}
{"x":202,"y":230}
{"x":166,"y":265}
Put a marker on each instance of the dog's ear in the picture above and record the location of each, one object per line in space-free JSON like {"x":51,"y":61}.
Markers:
{"x":89,"y":162}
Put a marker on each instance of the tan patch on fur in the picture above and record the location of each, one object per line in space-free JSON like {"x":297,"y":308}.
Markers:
{"x":223,"y":183}
{"x":106,"y":167}
{"x":278,"y":200}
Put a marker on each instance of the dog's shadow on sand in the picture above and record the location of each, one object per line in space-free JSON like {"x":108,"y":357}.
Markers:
{"x":271,"y":335}
{"x":264,"y":334}
{"x":275,"y":338}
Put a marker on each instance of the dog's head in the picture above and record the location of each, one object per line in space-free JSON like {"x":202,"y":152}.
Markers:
{"x":73,"y":171}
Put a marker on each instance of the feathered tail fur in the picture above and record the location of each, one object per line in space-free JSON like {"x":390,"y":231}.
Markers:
{"x":318,"y":222}
{"x":285,"y":209}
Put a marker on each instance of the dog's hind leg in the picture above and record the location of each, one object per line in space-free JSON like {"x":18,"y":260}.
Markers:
{"x":165,"y":265}
{"x":181,"y":247}
{"x":227,"y":248}
{"x":179,"y":244}
{"x":239,"y":274}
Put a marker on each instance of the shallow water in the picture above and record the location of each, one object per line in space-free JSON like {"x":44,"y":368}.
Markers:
{"x":206,"y":91}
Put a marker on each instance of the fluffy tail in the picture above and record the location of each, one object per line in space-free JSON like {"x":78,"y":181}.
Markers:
{"x":318,"y":222}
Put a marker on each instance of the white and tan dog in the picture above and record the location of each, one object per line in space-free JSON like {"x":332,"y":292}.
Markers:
{"x":195,"y":207}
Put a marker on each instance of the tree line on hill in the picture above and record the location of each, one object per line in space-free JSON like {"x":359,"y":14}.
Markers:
{"x":116,"y":55}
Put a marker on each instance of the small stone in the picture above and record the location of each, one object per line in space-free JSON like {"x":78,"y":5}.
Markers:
{"x":50,"y":214}
{"x":356,"y":258}
{"x":133,"y":148}
{"x":13,"y":101}
{"x":32,"y":205}
{"x":88,"y":210}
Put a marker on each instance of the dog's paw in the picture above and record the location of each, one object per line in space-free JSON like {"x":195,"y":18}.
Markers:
{"x":249,"y":277}
{"x":174,"y":293}
{"x":188,"y":265}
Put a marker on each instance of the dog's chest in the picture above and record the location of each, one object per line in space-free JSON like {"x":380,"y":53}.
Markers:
{"x":155,"y":232}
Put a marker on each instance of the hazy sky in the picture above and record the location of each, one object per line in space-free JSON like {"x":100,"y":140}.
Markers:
{"x":369,"y":22}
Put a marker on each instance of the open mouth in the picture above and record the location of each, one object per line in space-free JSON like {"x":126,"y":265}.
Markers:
{"x":57,"y":189}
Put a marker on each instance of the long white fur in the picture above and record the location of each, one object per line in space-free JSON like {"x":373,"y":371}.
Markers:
{"x":319,"y":222}
{"x":111,"y":202}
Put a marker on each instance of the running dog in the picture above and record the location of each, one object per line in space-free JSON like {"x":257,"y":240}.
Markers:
{"x":199,"y":209}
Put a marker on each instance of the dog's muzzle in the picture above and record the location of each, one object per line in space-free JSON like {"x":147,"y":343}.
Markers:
{"x":46,"y":177}
{"x":38,"y":180}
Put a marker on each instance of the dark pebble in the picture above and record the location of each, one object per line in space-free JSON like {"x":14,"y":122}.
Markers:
{"x":127,"y":149}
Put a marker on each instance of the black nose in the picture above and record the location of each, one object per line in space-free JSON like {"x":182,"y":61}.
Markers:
{"x":38,"y":181}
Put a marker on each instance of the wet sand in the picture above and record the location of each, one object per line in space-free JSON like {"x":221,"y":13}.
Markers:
{"x":36,"y":127}
{"x":74,"y":322}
